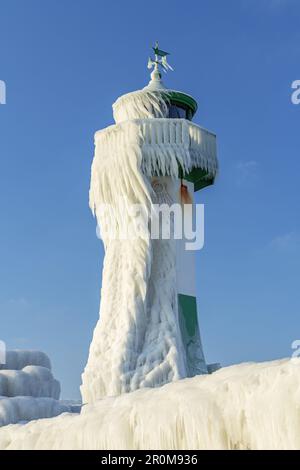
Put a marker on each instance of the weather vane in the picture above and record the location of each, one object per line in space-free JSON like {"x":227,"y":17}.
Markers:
{"x":160,"y":60}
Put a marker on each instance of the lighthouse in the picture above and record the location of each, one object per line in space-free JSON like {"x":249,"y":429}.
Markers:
{"x":153,"y":156}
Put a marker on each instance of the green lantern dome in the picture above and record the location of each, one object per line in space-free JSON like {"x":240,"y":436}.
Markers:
{"x":183,"y":101}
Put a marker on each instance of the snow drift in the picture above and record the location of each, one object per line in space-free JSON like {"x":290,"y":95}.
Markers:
{"x":246,"y":406}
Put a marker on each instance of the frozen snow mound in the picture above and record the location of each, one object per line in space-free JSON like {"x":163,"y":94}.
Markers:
{"x":18,"y":359}
{"x":27,"y":373}
{"x":14,"y":410}
{"x":28,"y":389}
{"x":33,"y":381}
{"x":246,"y":406}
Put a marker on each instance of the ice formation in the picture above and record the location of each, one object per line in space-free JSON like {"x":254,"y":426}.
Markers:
{"x":34,"y":381}
{"x":246,"y":406}
{"x":16,"y":409}
{"x":136,"y":342}
{"x":28,"y":389}
{"x":19,"y":358}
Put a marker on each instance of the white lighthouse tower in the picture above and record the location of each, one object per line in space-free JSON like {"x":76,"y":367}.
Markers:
{"x":148,"y":332}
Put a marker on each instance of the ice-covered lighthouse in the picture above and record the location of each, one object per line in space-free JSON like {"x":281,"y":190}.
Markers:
{"x":148,"y":332}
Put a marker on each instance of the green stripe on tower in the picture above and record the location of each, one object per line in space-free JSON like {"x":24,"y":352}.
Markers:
{"x":188,"y":321}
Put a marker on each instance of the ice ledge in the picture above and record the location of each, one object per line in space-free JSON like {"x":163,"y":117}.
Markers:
{"x":245,"y":406}
{"x":162,"y":142}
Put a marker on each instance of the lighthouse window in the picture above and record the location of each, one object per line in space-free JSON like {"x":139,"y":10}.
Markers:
{"x":178,"y":112}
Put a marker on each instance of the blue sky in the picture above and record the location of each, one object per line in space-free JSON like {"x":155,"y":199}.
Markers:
{"x":64,"y":63}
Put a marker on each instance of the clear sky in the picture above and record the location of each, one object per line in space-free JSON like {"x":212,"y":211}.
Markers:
{"x":64,"y":63}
